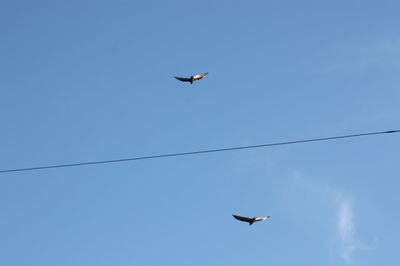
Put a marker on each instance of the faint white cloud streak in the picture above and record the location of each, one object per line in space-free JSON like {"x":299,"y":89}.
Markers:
{"x":346,"y":229}
{"x":325,"y":202}
{"x":359,"y":57}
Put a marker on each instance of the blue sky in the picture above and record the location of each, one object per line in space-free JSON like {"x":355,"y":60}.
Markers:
{"x":93,"y":80}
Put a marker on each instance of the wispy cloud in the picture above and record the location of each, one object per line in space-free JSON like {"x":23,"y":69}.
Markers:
{"x":358,"y":57}
{"x":325,"y":202}
{"x":346,"y":228}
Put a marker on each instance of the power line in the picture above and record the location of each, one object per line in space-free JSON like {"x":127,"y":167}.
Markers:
{"x":198,"y":152}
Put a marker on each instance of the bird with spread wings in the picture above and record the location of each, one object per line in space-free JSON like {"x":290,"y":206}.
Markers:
{"x":192,"y":79}
{"x":250,"y":220}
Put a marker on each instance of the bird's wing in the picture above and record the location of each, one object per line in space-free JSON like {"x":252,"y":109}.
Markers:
{"x":240,"y":218}
{"x":262,"y":218}
{"x":197,"y":77}
{"x":182,"y":79}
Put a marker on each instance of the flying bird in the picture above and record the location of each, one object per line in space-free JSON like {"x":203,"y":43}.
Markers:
{"x":192,"y":78}
{"x":250,"y":220}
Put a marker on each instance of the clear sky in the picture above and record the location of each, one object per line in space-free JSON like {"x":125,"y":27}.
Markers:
{"x":93,"y":80}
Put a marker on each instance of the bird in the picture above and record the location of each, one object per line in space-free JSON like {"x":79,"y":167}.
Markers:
{"x":250,"y":220}
{"x":192,"y":78}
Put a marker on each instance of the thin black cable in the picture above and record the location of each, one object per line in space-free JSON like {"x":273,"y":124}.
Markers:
{"x":198,"y":152}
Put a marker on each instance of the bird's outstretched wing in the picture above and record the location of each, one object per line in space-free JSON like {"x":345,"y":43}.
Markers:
{"x":183,"y":79}
{"x":197,"y":77}
{"x":262,"y":218}
{"x":243,"y":219}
